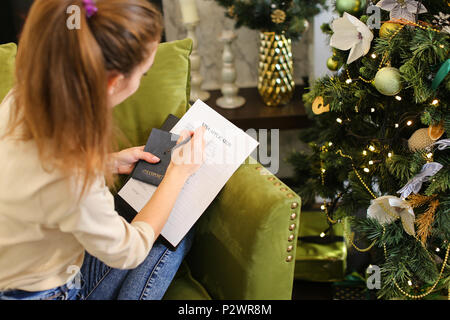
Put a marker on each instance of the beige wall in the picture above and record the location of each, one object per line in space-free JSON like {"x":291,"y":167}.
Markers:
{"x":245,"y":47}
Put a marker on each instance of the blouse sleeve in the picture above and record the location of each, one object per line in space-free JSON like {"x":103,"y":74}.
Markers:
{"x":102,"y":231}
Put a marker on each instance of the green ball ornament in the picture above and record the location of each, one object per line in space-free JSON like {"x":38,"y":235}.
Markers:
{"x":332,"y":64}
{"x":354,"y":7}
{"x":388,"y":81}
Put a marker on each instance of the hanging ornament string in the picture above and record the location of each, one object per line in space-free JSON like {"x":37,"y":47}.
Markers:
{"x":357,"y":173}
{"x":350,"y":239}
{"x":325,"y":205}
{"x":422,"y":25}
{"x":349,"y":236}
{"x":394,"y":216}
{"x":322,"y":176}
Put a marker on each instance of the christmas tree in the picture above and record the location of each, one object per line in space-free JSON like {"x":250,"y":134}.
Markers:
{"x":380,"y":140}
{"x":279,"y":16}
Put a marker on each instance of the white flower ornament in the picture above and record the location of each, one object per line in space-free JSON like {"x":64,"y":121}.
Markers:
{"x":443,"y":20}
{"x":397,"y":208}
{"x":402,"y":9}
{"x":350,"y":33}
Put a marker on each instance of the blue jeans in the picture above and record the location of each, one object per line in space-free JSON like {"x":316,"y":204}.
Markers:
{"x":148,"y":281}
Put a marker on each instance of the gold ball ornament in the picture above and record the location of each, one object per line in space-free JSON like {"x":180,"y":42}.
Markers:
{"x":318,"y":106}
{"x":388,"y":81}
{"x":332,"y":64}
{"x":278,"y":16}
{"x":420,"y":140}
{"x":388,"y":28}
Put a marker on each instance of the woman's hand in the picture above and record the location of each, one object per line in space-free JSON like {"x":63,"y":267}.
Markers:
{"x":187,"y":159}
{"x":125,"y":160}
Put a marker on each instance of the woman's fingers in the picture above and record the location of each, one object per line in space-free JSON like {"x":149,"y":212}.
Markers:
{"x":140,"y":154}
{"x":192,"y":152}
{"x":184,"y":134}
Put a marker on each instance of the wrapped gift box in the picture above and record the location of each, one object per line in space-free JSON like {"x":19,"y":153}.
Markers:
{"x":321,"y":259}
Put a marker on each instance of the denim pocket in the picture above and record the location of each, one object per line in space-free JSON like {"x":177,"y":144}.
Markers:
{"x":68,"y":291}
{"x":55,"y":294}
{"x":31,"y":295}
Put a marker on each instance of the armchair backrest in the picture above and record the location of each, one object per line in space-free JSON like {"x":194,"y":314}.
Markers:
{"x":7,"y":58}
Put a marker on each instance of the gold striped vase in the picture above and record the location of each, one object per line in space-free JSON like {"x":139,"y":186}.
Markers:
{"x":275,"y":73}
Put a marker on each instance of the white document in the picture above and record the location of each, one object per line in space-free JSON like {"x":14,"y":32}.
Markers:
{"x":227,"y":147}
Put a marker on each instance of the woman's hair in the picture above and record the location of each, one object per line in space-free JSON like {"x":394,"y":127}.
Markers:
{"x":61,"y":79}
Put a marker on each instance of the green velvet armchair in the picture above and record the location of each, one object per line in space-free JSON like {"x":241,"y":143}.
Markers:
{"x":245,"y":243}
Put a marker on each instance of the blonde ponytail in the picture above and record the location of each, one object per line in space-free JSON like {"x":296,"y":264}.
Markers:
{"x":61,"y":79}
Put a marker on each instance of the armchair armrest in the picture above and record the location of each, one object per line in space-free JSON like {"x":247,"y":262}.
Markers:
{"x":246,"y":240}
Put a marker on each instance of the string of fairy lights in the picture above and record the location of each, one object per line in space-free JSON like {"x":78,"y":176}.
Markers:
{"x":367,"y":152}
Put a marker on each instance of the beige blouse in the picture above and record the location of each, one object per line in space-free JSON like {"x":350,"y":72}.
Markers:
{"x":44,"y":231}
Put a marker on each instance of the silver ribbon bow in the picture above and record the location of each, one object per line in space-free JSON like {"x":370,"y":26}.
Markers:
{"x":414,"y":185}
{"x":442,"y":144}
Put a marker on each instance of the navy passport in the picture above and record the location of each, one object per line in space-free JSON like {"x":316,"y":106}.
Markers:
{"x":157,"y":144}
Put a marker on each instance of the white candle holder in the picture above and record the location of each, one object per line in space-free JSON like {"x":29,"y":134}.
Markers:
{"x":230,"y":99}
{"x":196,"y":78}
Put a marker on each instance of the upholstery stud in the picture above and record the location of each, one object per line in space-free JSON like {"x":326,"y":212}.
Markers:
{"x":291,"y":237}
{"x":293,"y":215}
{"x":294,"y":205}
{"x":292,"y":227}
{"x":289,"y":259}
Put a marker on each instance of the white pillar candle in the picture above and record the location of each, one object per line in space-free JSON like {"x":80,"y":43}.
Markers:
{"x":189,"y":11}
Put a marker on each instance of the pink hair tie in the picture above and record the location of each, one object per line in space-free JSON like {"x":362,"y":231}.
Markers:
{"x":90,"y":7}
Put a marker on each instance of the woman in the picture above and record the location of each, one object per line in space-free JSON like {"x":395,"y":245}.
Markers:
{"x":57,"y":217}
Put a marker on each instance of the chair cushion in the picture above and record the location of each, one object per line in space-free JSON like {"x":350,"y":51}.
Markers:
{"x":7,"y":57}
{"x":164,"y":90}
{"x":185,"y":287}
